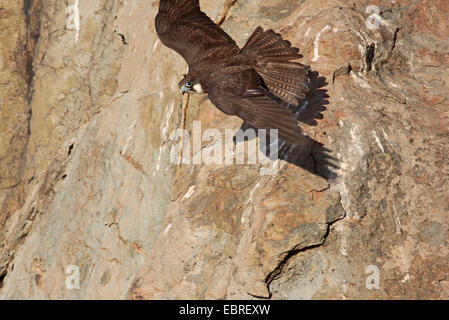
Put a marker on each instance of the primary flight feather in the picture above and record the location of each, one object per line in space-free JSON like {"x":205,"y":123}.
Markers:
{"x":242,"y":82}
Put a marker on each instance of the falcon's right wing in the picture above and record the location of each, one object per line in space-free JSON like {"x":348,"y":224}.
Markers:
{"x":183,"y":27}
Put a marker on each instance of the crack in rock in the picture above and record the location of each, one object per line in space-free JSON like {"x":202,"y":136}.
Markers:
{"x":273,"y":275}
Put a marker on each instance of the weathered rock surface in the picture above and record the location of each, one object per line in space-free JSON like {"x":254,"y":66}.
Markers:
{"x":86,"y":178}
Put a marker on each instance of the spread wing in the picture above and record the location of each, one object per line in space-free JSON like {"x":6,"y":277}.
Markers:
{"x":183,"y":27}
{"x":239,"y":92}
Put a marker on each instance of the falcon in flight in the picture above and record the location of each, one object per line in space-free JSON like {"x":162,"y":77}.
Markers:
{"x":246,"y":82}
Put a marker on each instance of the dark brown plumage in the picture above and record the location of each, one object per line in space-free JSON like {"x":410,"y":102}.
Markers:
{"x":239,"y":82}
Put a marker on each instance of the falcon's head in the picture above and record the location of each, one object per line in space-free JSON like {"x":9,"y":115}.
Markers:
{"x":190,"y":84}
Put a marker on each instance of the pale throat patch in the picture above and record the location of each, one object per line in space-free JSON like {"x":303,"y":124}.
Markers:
{"x":198,"y":88}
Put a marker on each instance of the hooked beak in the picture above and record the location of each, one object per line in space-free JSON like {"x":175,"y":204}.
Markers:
{"x":184,"y":90}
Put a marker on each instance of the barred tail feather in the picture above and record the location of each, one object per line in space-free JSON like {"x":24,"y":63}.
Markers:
{"x":271,"y":55}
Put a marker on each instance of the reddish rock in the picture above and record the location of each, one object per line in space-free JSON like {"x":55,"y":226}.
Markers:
{"x":87,"y":187}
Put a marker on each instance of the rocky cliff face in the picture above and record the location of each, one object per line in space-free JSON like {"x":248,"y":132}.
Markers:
{"x":87,"y":186}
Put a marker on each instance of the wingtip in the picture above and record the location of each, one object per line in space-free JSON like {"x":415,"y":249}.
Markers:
{"x":178,"y":8}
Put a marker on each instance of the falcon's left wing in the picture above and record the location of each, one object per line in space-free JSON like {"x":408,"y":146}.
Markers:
{"x":240,"y":93}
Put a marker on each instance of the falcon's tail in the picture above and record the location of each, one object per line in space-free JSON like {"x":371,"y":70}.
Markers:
{"x":271,"y":55}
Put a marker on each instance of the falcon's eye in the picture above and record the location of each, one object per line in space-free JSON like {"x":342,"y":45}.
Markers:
{"x":188,"y":84}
